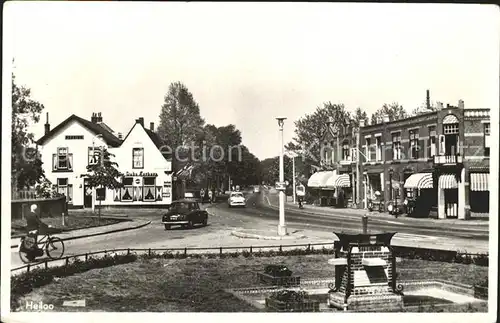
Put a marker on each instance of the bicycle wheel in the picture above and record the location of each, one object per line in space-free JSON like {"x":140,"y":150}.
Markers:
{"x":54,"y":248}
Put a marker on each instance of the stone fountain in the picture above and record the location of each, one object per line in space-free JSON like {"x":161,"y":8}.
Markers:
{"x":365,"y":274}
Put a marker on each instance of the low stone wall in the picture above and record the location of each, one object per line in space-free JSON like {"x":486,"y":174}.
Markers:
{"x":47,"y":207}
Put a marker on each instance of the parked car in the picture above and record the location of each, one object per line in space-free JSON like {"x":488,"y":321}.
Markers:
{"x":185,"y":213}
{"x":236,"y":199}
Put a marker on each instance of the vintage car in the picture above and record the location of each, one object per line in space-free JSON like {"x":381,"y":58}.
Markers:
{"x":236,"y":199}
{"x":185,"y":213}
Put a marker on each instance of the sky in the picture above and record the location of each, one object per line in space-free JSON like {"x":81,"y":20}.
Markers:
{"x":248,"y":63}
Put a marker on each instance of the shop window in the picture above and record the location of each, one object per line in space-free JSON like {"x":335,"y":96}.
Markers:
{"x":127,"y":193}
{"x":148,"y":189}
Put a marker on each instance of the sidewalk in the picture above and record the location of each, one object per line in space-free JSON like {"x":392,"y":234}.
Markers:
{"x":94,"y":231}
{"x":321,"y":210}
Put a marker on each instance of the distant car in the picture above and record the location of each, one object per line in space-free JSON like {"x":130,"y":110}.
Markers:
{"x":236,"y":199}
{"x":256,"y":189}
{"x":185,"y":213}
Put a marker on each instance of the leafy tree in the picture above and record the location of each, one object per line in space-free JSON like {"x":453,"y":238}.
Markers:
{"x":104,"y":173}
{"x":394,"y":110}
{"x":26,"y":163}
{"x":310,"y":131}
{"x":180,"y":120}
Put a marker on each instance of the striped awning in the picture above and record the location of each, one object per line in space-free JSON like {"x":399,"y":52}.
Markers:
{"x":447,"y":181}
{"x":479,"y":182}
{"x":342,"y":180}
{"x":419,"y":180}
{"x":319,"y":179}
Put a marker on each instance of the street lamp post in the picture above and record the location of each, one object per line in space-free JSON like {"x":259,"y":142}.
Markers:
{"x":281,"y":225}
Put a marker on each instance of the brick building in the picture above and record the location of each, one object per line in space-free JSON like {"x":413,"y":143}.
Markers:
{"x":439,"y":159}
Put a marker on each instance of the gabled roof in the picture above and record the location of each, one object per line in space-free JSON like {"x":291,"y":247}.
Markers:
{"x":107,"y":136}
{"x":154,"y":138}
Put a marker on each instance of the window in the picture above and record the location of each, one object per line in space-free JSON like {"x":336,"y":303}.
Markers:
{"x":450,"y":129}
{"x":431,"y":142}
{"x":148,"y":189}
{"x":487,"y":139}
{"x":414,"y":143}
{"x":378,"y":152}
{"x":65,"y":189}
{"x":367,"y":149}
{"x":62,"y":158}
{"x":93,"y":157}
{"x":74,"y":137}
{"x":138,"y":158}
{"x":345,"y":150}
{"x":396,"y":146}
{"x":127,"y":193}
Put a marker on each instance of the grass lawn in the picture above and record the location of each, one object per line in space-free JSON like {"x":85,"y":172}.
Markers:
{"x":72,"y":222}
{"x":197,"y":285}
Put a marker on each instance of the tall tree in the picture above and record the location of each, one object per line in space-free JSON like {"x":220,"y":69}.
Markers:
{"x":394,"y":110}
{"x":26,"y":163}
{"x":180,"y":120}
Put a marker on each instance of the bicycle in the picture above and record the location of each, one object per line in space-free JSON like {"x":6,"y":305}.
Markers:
{"x":28,"y":251}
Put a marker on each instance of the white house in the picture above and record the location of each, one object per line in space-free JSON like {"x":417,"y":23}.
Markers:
{"x":68,"y":149}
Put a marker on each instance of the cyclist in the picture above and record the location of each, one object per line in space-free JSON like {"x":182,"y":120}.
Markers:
{"x":34,"y":225}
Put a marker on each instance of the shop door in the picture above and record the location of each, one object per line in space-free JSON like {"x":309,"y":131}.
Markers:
{"x":451,"y":203}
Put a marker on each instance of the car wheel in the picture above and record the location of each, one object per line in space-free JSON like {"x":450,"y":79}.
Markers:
{"x":190,"y":224}
{"x":205,"y":222}
{"x":167,"y":227}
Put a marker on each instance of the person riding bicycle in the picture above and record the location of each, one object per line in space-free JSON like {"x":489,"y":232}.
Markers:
{"x":35,"y":226}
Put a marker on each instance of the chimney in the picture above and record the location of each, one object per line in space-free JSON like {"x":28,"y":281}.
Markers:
{"x":140,"y":120}
{"x":439,"y":106}
{"x":99,"y":117}
{"x":120,"y":136}
{"x":428,"y":101}
{"x":385,"y":118}
{"x":152,"y":126}
{"x":461,"y":104}
{"x":94,"y":118}
{"x":47,"y":125}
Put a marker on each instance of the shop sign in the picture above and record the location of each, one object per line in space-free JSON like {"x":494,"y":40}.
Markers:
{"x":141,"y":174}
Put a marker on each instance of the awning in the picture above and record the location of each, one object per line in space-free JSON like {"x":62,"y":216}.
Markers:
{"x":479,"y":182}
{"x":342,"y":181}
{"x":319,"y":179}
{"x":447,"y":181}
{"x":419,"y":180}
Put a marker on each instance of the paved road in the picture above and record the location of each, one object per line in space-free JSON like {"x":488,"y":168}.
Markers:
{"x":258,"y":214}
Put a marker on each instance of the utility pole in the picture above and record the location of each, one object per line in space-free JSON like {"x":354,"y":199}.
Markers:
{"x":293,"y":170}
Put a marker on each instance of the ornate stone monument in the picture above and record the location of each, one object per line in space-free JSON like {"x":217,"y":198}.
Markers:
{"x":365,"y":274}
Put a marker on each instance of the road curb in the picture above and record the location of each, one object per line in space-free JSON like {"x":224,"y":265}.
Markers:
{"x":98,"y":233}
{"x":247,"y":235}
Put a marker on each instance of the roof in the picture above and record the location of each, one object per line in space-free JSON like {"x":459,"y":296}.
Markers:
{"x":154,"y":137}
{"x":107,"y":136}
